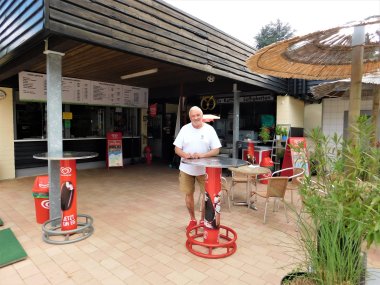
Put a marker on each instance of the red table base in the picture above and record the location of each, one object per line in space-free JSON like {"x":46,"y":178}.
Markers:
{"x":214,"y":243}
{"x":225,"y":246}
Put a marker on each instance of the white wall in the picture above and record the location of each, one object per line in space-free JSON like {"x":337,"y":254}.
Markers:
{"x":7,"y":161}
{"x":313,"y":117}
{"x":333,"y":114}
{"x":290,"y":111}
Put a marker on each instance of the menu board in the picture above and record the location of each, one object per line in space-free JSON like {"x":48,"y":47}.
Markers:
{"x":116,"y":95}
{"x":79,"y":91}
{"x":32,"y":86}
{"x":73,"y":90}
{"x":100,"y":93}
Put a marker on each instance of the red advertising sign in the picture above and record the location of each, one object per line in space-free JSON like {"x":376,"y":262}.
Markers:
{"x":68,"y":179}
{"x":114,"y":149}
{"x":153,"y":110}
{"x":295,"y":156}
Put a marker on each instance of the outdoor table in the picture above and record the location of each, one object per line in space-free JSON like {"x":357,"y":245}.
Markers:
{"x":68,"y":224}
{"x":212,"y":224}
{"x":249,"y":170}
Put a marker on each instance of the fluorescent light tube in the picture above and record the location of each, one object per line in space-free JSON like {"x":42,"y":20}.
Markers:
{"x":141,"y":73}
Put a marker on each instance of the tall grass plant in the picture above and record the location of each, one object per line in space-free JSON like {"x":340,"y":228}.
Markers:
{"x":341,"y":206}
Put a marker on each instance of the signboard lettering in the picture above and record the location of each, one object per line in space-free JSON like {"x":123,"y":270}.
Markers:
{"x":80,"y":91}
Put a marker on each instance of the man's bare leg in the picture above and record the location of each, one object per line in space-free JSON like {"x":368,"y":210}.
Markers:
{"x":189,"y":199}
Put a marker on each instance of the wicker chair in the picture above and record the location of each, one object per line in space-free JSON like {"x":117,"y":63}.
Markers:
{"x":293,"y":184}
{"x":238,"y":178}
{"x":276,"y":189}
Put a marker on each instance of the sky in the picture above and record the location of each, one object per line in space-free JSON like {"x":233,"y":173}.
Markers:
{"x":243,"y":19}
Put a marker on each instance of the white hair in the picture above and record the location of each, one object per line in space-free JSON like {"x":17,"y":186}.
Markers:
{"x":195,"y":108}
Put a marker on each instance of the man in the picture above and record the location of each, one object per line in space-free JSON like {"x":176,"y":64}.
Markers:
{"x":195,"y":140}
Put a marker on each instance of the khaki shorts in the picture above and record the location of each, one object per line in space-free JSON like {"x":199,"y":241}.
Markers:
{"x":187,"y":182}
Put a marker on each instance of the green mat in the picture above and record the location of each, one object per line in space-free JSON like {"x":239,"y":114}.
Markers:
{"x":10,"y":249}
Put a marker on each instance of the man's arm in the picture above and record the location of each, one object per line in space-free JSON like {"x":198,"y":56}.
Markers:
{"x":181,"y":153}
{"x":213,"y":152}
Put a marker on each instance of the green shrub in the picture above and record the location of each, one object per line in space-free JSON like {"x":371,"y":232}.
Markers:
{"x":341,"y":205}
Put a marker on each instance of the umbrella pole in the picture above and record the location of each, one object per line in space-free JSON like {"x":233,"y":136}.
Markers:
{"x":356,"y":78}
{"x":375,"y":113}
{"x":235,"y":132}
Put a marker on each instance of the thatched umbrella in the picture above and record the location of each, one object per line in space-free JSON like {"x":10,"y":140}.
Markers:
{"x":336,"y":53}
{"x":341,"y":88}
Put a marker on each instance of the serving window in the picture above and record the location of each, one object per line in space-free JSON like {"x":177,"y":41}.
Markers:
{"x":30,"y":120}
{"x":87,"y":121}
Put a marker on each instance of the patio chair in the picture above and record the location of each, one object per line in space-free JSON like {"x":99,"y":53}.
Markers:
{"x":225,"y":191}
{"x":276,"y":189}
{"x":238,"y":178}
{"x":293,"y":184}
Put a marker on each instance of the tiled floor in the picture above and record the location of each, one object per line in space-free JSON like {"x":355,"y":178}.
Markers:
{"x":139,"y":219}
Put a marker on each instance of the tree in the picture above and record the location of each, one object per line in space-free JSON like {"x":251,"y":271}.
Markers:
{"x":273,"y":32}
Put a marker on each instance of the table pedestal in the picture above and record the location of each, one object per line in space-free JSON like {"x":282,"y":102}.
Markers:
{"x":224,"y":243}
{"x":68,"y":179}
{"x":70,"y":227}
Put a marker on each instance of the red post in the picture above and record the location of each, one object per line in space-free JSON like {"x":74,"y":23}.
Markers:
{"x":268,"y":163}
{"x":148,"y":154}
{"x":212,"y":205}
{"x":68,"y":179}
{"x":251,"y":152}
{"x":295,"y":156}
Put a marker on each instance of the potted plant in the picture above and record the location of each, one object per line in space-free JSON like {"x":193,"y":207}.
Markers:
{"x":284,"y":133}
{"x":341,"y":207}
{"x":278,"y":132}
{"x":264,"y":134}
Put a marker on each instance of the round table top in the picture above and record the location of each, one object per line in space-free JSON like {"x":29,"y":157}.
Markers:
{"x":215,"y":162}
{"x":250,"y":169}
{"x":66,"y":155}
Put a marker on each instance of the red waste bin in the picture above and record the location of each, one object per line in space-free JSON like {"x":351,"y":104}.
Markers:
{"x":268,"y":163}
{"x":41,"y":198}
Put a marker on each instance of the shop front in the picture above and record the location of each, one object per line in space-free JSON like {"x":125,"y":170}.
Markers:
{"x":144,"y":49}
{"x":85,"y":122}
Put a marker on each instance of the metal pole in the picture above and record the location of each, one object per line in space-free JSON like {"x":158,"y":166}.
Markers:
{"x":54,"y":128}
{"x":375,"y":113}
{"x":358,"y":38}
{"x":235,"y":131}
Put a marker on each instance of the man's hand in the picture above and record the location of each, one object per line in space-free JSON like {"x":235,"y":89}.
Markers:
{"x":196,"y":155}
{"x":188,"y":155}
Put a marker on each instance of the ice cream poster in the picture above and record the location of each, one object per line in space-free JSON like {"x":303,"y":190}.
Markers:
{"x":68,"y":182}
{"x":114,"y":149}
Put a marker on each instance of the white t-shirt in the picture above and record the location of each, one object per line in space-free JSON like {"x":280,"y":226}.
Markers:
{"x":193,"y":140}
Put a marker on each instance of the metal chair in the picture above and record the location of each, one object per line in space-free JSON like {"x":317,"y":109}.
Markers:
{"x":238,"y":178}
{"x":276,"y":189}
{"x":293,"y":183}
{"x":225,"y":191}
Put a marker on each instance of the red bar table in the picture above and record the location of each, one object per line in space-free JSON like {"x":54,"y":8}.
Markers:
{"x":207,"y":241}
{"x":70,"y":228}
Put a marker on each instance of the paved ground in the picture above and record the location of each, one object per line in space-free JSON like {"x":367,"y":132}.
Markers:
{"x":139,"y":219}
